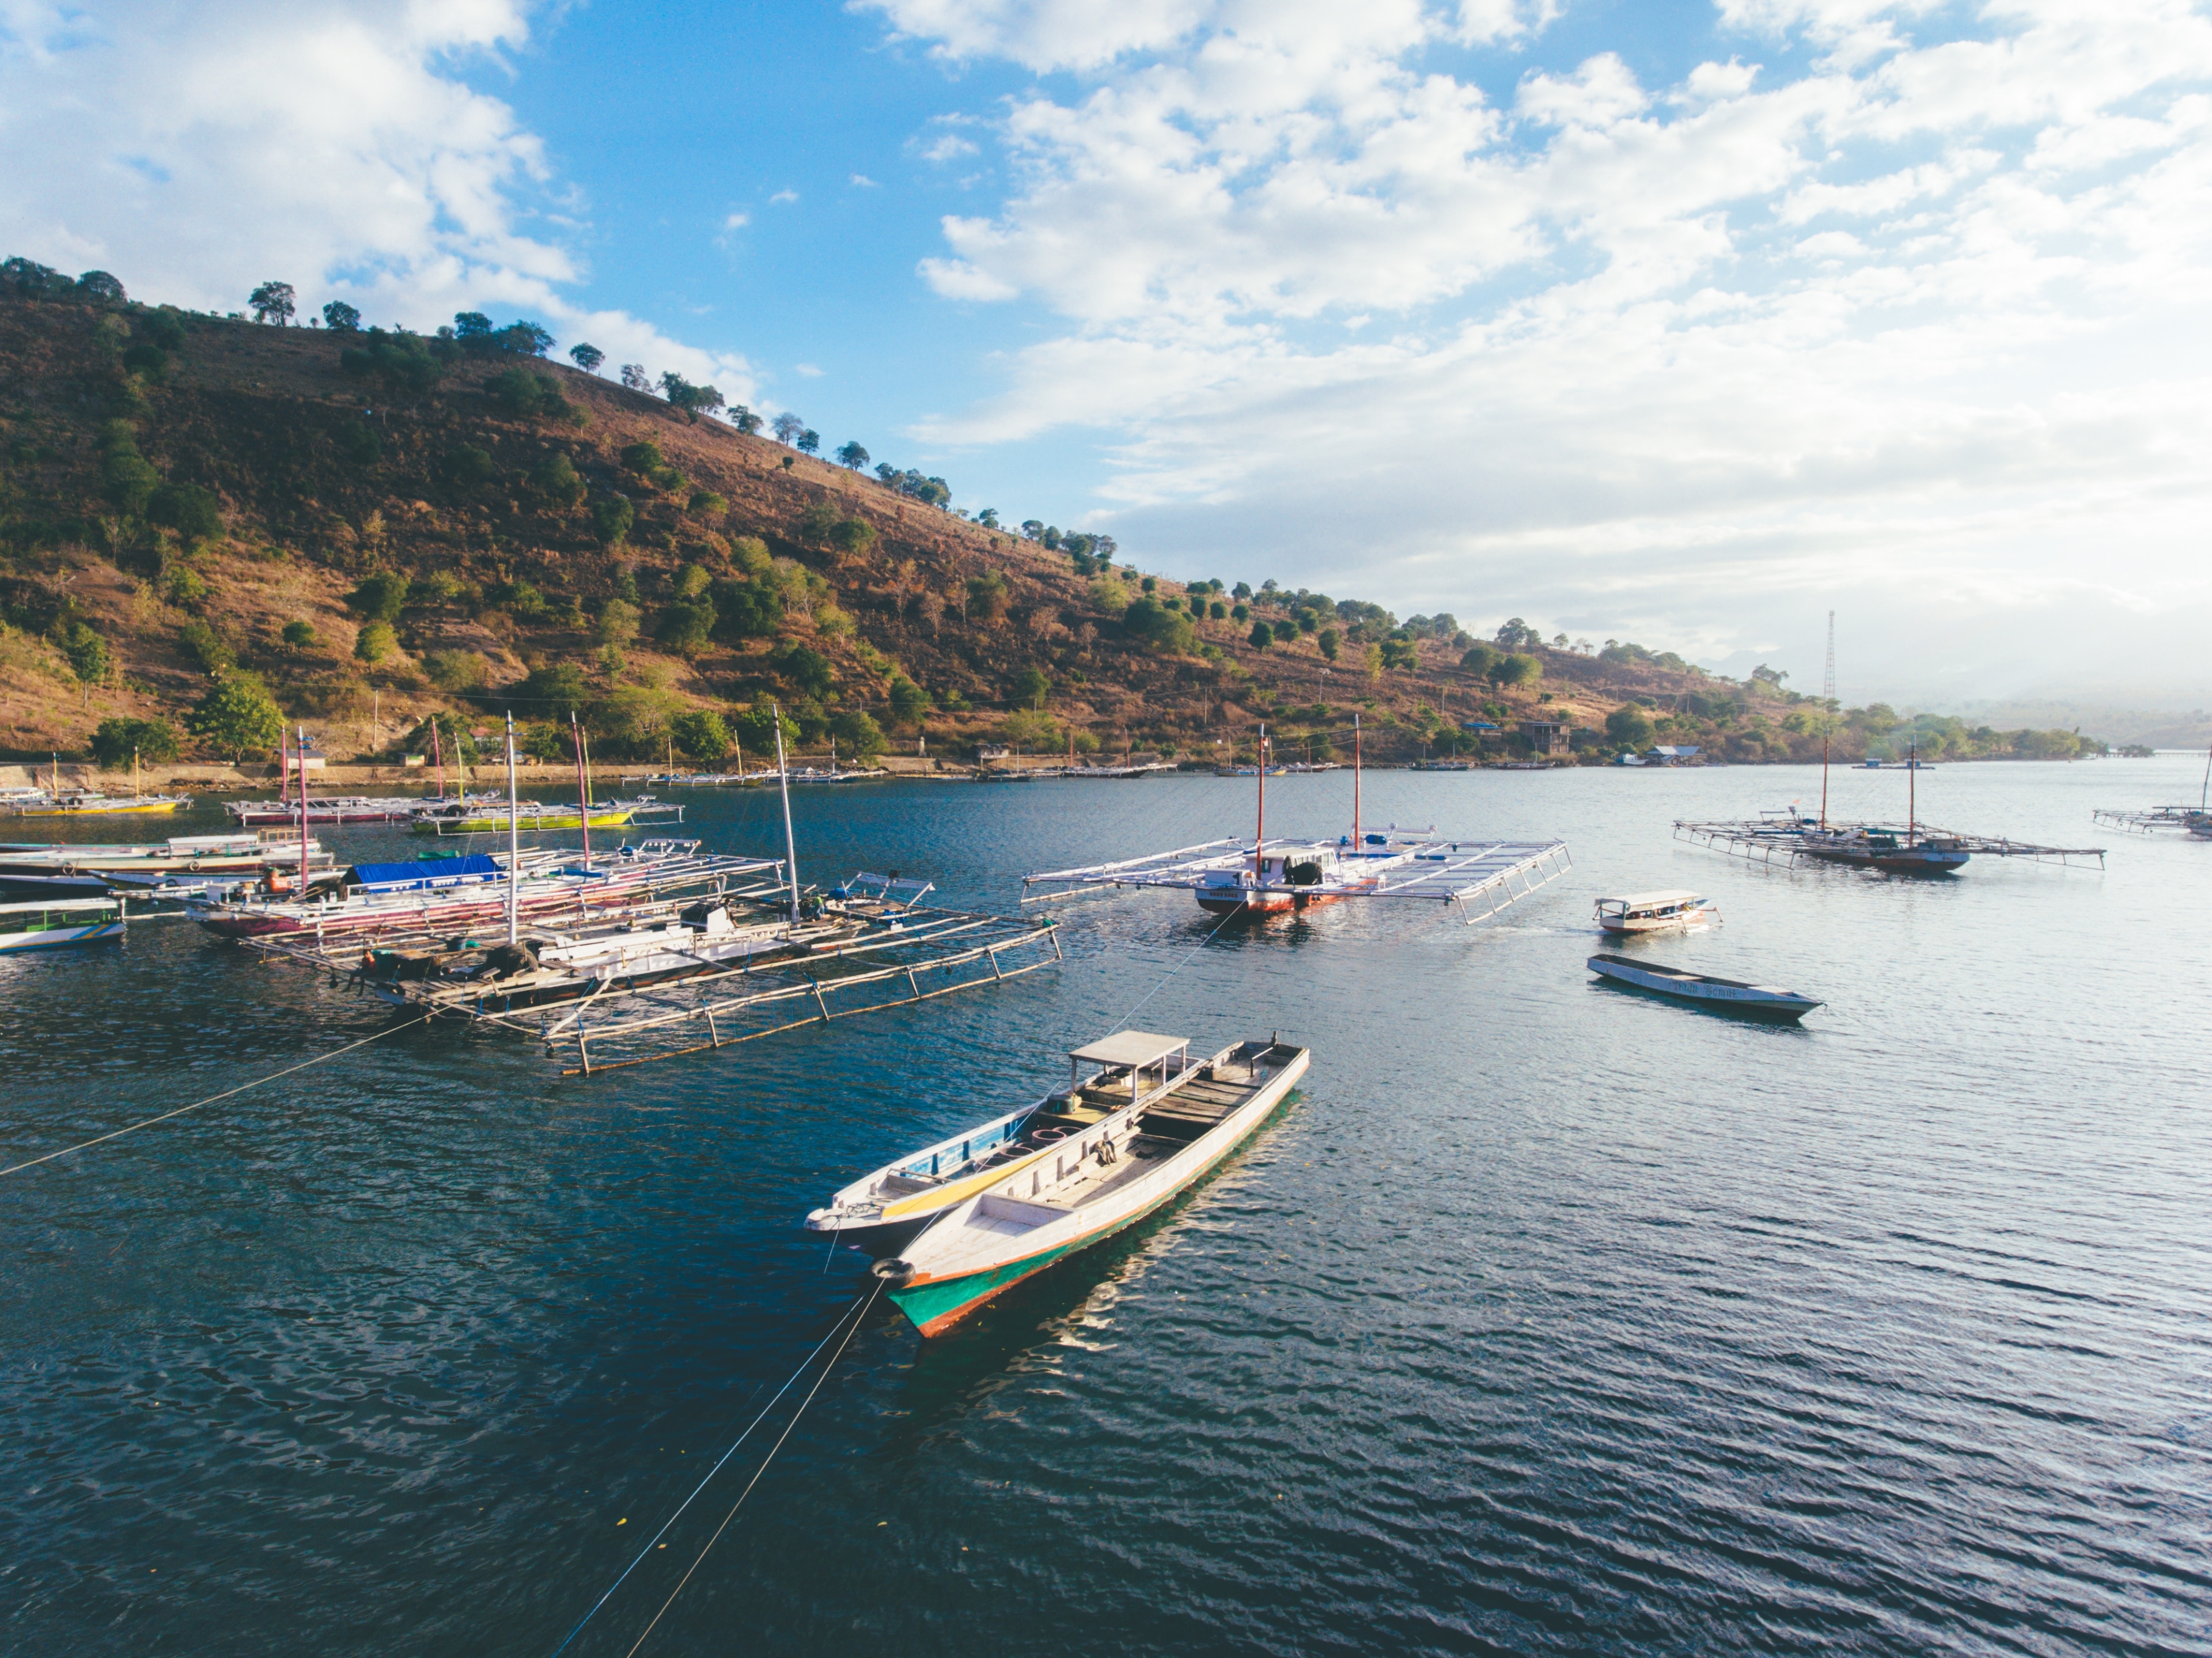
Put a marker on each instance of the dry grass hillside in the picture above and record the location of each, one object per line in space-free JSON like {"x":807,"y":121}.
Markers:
{"x":179,"y":489}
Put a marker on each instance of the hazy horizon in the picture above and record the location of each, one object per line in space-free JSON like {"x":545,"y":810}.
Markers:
{"x":1685,"y":324}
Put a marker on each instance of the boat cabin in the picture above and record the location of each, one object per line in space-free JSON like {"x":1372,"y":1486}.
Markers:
{"x":1652,"y":912}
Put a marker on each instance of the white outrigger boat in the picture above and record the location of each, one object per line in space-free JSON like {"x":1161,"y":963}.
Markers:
{"x":1262,"y":876}
{"x":881,"y":1211}
{"x":1673,"y":911}
{"x":59,"y":922}
{"x":1720,"y":995}
{"x":1071,"y":1183}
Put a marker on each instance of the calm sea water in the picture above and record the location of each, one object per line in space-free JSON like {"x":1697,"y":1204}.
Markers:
{"x":1545,"y":1318}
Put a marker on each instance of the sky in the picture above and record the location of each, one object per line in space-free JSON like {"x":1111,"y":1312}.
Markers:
{"x":1680,"y":323}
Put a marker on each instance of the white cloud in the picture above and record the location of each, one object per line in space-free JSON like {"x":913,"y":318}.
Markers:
{"x":1605,"y":368}
{"x":784,"y":196}
{"x":808,"y":369}
{"x":1041,"y":35}
{"x":195,"y":151}
{"x":950,"y":147}
{"x":863,"y":181}
{"x":737,"y":222}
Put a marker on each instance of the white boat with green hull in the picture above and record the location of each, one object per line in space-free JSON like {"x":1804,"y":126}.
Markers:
{"x":1096,"y":1181}
{"x":884,"y":1210}
{"x":59,"y":922}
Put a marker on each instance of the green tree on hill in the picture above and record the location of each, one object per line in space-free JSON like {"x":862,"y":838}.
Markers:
{"x":1629,"y":726}
{"x":374,"y":643}
{"x":757,"y":726}
{"x":588,"y":357}
{"x":114,"y":741}
{"x":88,"y":654}
{"x":1031,"y":687}
{"x":192,"y":511}
{"x":611,"y":518}
{"x":380,"y":596}
{"x":858,"y":736}
{"x":238,"y":716}
{"x":299,"y":635}
{"x":272,"y":302}
{"x":340,"y":318}
{"x":910,"y":702}
{"x":701,"y":734}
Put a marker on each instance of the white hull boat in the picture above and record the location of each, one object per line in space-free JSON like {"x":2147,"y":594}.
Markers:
{"x":1090,"y":1185}
{"x":1720,"y":995}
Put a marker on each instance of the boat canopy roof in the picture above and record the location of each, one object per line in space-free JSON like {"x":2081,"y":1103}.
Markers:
{"x":424,"y":874}
{"x":1646,"y":900}
{"x":1135,"y":1049}
{"x":58,"y":903}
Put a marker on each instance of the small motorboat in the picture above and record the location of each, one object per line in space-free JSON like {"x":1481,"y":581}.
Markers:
{"x":1720,"y":995}
{"x":1095,"y":1179}
{"x":1655,"y":911}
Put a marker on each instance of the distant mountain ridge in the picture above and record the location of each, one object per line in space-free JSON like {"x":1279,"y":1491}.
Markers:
{"x":378,"y":527}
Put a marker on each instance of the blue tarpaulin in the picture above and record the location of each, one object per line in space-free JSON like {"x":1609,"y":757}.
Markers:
{"x":445,"y":872}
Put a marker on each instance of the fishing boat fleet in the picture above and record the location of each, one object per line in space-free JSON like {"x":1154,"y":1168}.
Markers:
{"x":649,"y":950}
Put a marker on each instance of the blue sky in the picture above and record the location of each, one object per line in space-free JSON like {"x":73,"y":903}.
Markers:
{"x":1682,"y":323}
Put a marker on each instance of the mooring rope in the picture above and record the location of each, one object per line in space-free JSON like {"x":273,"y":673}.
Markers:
{"x":258,"y":1082}
{"x":1187,"y":957}
{"x":849,"y":1334}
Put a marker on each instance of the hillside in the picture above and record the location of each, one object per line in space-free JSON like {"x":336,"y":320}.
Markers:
{"x":376,"y":528}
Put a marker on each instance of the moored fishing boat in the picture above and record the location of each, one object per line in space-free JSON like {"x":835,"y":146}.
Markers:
{"x":41,"y":870}
{"x":346,"y":809}
{"x":446,"y":893}
{"x":474,"y":818}
{"x":51,"y":922}
{"x":883,"y":1209}
{"x":1671,"y":911}
{"x":84,"y":803}
{"x":1720,"y":995}
{"x":1095,"y":1182}
{"x":560,"y":967}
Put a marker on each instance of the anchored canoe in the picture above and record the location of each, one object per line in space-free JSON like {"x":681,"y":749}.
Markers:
{"x":1722,"y":995}
{"x":1090,"y":1186}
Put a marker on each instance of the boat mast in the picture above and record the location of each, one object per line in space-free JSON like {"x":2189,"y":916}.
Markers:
{"x":2205,"y":797}
{"x":1827,"y":716}
{"x":1356,"y":842}
{"x":1260,"y":832}
{"x":783,"y":783}
{"x":583,"y":800}
{"x":438,"y":754}
{"x":301,"y":754}
{"x":1912,"y":797}
{"x":514,"y":843}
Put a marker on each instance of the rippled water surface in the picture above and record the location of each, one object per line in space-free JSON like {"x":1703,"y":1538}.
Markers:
{"x":1545,"y":1318}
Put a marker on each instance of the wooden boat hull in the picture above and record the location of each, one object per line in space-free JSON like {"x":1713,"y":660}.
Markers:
{"x":1904,"y":860}
{"x":105,"y":809}
{"x":1728,"y":996}
{"x":935,"y":1303}
{"x":488,"y":824}
{"x":12,"y":944}
{"x":1262,"y":902}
